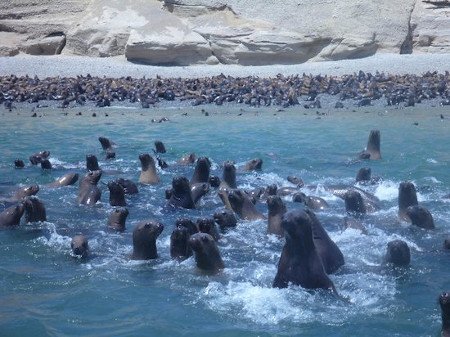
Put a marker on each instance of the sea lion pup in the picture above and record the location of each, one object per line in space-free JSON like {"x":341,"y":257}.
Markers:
{"x":314,"y":203}
{"x":89,"y":193}
{"x":80,"y":246}
{"x":208,"y":226}
{"x":299,"y":262}
{"x":144,"y":240}
{"x":107,"y":145}
{"x":372,"y":150}
{"x":444,"y":302}
{"x":407,"y":196}
{"x":207,"y":255}
{"x":398,"y":253}
{"x":116,"y":194}
{"x":225,"y":219}
{"x":187,"y":223}
{"x":34,"y":209}
{"x":92,"y":163}
{"x":201,"y":171}
{"x":36,"y":158}
{"x":354,"y":203}
{"x":329,"y":252}
{"x":179,"y":244}
{"x":420,"y":217}
{"x":46,"y":165}
{"x":198,"y":190}
{"x":296,"y":181}
{"x":23,"y":192}
{"x":187,"y":159}
{"x":159,"y":147}
{"x":277,"y":209}
{"x":18,"y":163}
{"x":66,"y":180}
{"x":117,"y":218}
{"x":148,"y":170}
{"x":181,"y":193}
{"x":253,"y":164}
{"x":243,"y":206}
{"x":229,"y":175}
{"x":11,"y":216}
{"x":128,"y":186}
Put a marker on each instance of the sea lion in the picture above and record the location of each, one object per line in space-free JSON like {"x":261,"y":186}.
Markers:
{"x":159,"y":146}
{"x":117,"y":218}
{"x":18,"y":163}
{"x":46,"y":165}
{"x":80,"y":246}
{"x":371,"y":202}
{"x":208,"y":226}
{"x":420,"y":216}
{"x":129,"y":187}
{"x":198,"y":190}
{"x":354,"y":203}
{"x":110,"y":155}
{"x":327,"y":249}
{"x":353,"y":223}
{"x":66,"y":180}
{"x":229,"y":175}
{"x":253,"y":164}
{"x":243,"y":206}
{"x":34,"y":209}
{"x":23,"y":192}
{"x":372,"y":150}
{"x":444,"y":302}
{"x":223,"y":194}
{"x":144,"y":240}
{"x":296,"y":181}
{"x":36,"y":158}
{"x":116,"y":194}
{"x":277,"y":209}
{"x":107,"y":145}
{"x":179,"y":243}
{"x":314,"y":203}
{"x":92,"y":163}
{"x":187,"y":159}
{"x":89,"y":193}
{"x":181,"y":193}
{"x":11,"y":216}
{"x":214,"y":181}
{"x":407,"y":196}
{"x":300,"y":263}
{"x":149,"y":175}
{"x":364,"y":174}
{"x":225,"y":219}
{"x":201,"y":171}
{"x":207,"y":255}
{"x":187,"y":223}
{"x":398,"y":253}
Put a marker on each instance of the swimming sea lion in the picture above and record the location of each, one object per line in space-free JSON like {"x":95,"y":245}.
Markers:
{"x":179,"y":243}
{"x":354,"y":203}
{"x":18,"y":163}
{"x":229,"y":175}
{"x":89,"y":193}
{"x":92,"y":163}
{"x":144,"y":240}
{"x":80,"y":246}
{"x":129,"y":187}
{"x":296,"y":181}
{"x":444,"y":302}
{"x":407,"y":196}
{"x":253,"y":164}
{"x":214,"y":181}
{"x":38,"y":157}
{"x":65,"y":180}
{"x":225,"y":218}
{"x":34,"y":209}
{"x":187,"y":223}
{"x":208,"y":226}
{"x":201,"y":172}
{"x":159,"y":146}
{"x":46,"y":165}
{"x":107,"y":145}
{"x":300,"y":263}
{"x":243,"y":206}
{"x":398,"y":253}
{"x":116,"y":194}
{"x":187,"y":160}
{"x":314,"y":203}
{"x":149,"y":175}
{"x":117,"y":218}
{"x":181,"y":193}
{"x":11,"y":216}
{"x":207,"y":255}
{"x":198,"y":190}
{"x":420,"y":216}
{"x":23,"y":192}
{"x":277,"y":209}
{"x":373,"y":146}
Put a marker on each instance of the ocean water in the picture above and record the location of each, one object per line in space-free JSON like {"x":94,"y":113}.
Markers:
{"x":44,"y":291}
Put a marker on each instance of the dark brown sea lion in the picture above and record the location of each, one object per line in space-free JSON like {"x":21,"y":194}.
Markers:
{"x":181,"y":193}
{"x":253,"y":164}
{"x":80,"y":246}
{"x":277,"y":209}
{"x":117,"y":218}
{"x":144,"y":240}
{"x":372,"y":150}
{"x":201,"y":171}
{"x":116,"y":194}
{"x":159,"y":146}
{"x":179,"y":243}
{"x":128,"y":186}
{"x":208,"y":226}
{"x":225,"y":219}
{"x":243,"y":206}
{"x":314,"y":203}
{"x":89,"y":193}
{"x":229,"y":175}
{"x":107,"y":145}
{"x":444,"y":302}
{"x":34,"y":209}
{"x":354,"y":203}
{"x":407,"y":196}
{"x":300,"y":263}
{"x":38,"y":157}
{"x":398,"y":253}
{"x":148,"y":175}
{"x":66,"y":180}
{"x":18,"y":163}
{"x":11,"y":216}
{"x":92,"y":163}
{"x":187,"y":159}
{"x":23,"y":192}
{"x":207,"y":255}
{"x":198,"y":190}
{"x":296,"y":181}
{"x":187,"y":223}
{"x":46,"y":165}
{"x":420,"y":216}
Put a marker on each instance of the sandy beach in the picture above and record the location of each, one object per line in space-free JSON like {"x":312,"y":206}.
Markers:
{"x":68,"y":66}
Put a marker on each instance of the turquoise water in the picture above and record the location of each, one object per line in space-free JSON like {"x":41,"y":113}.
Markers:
{"x":46,"y":292}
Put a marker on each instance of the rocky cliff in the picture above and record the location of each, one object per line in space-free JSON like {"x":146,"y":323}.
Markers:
{"x":247,"y":32}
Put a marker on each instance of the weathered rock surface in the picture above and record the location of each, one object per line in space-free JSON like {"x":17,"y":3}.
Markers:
{"x":247,"y":32}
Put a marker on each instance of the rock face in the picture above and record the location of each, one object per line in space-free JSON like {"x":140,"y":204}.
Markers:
{"x":247,"y":32}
